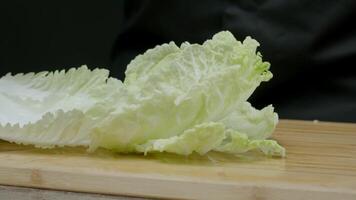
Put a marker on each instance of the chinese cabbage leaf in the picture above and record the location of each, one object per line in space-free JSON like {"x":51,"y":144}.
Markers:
{"x":177,"y":99}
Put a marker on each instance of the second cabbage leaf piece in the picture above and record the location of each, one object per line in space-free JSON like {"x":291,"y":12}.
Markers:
{"x":185,"y":96}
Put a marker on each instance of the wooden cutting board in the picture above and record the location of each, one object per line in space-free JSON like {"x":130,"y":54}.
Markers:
{"x":320,"y":164}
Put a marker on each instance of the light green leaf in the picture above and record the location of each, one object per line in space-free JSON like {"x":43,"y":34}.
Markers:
{"x":53,"y":108}
{"x":211,"y":136}
{"x":237,"y":142}
{"x":257,"y":124}
{"x":201,"y":139}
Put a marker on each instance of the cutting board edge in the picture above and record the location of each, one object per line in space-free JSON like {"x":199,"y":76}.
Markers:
{"x":151,"y":187}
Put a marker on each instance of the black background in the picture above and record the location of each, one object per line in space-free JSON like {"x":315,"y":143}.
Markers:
{"x":49,"y":35}
{"x":310,"y":44}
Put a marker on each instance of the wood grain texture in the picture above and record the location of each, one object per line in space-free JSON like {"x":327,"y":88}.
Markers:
{"x":320,"y":164}
{"x":24,"y":193}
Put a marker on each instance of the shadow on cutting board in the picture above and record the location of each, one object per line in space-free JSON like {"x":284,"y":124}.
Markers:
{"x":211,"y":158}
